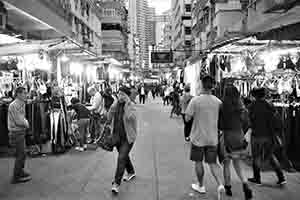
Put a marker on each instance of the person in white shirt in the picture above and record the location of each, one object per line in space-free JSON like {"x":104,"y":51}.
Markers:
{"x":204,"y":110}
{"x":97,"y":109}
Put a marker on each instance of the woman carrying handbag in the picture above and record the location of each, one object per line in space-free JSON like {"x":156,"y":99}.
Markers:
{"x":123,"y":122}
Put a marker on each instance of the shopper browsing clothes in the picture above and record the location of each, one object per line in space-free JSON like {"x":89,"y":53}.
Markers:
{"x":233,"y":122}
{"x":124,"y":126}
{"x":83,"y":121}
{"x":264,"y":133}
{"x":17,"y":126}
{"x":184,"y":101}
{"x":97,"y":111}
{"x":204,"y":109}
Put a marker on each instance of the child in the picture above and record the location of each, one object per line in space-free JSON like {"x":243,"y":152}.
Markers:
{"x":83,"y":122}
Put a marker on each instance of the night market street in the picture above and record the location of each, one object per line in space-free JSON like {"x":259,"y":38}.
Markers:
{"x":161,"y":158}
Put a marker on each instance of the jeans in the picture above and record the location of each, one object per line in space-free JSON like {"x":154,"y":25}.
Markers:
{"x":83,"y":130}
{"x":124,"y":162}
{"x":187,"y":127}
{"x":17,"y":140}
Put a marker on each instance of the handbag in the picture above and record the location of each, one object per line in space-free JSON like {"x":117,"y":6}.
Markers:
{"x":106,"y":141}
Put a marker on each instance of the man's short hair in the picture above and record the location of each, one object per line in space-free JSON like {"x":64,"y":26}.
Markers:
{"x":207,"y":82}
{"x":75,"y":100}
{"x":90,"y":89}
{"x":19,"y":90}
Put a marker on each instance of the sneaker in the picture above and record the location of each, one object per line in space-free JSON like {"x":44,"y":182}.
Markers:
{"x":282,"y":182}
{"x":255,"y":181}
{"x":21,"y":179}
{"x":115,"y":188}
{"x":228,"y":190}
{"x":81,"y":149}
{"x":247,"y":192}
{"x":85,"y":146}
{"x":129,"y":177}
{"x":291,"y":170}
{"x":198,"y":188}
{"x":221,"y":192}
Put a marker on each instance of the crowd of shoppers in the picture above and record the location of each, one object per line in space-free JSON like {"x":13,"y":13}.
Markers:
{"x":216,"y":129}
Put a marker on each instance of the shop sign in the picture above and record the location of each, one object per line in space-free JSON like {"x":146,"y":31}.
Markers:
{"x":162,"y":57}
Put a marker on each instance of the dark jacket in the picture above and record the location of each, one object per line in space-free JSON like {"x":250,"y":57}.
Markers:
{"x":262,"y":122}
{"x":81,"y":111}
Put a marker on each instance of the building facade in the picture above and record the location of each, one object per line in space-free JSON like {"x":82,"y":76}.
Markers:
{"x":181,"y":30}
{"x":114,"y":19}
{"x":77,"y":20}
{"x":139,"y":19}
{"x":213,"y":21}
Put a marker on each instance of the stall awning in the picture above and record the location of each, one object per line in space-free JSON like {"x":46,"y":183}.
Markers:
{"x":70,"y":48}
{"x":252,"y":44}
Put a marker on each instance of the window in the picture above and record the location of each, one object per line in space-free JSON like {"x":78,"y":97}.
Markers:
{"x":187,"y":30}
{"x":186,"y":17}
{"x":188,"y":8}
{"x":187,"y":43}
{"x":111,"y":26}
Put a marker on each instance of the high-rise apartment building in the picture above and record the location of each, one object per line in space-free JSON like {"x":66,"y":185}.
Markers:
{"x":140,"y":28}
{"x":151,"y":27}
{"x":181,"y":30}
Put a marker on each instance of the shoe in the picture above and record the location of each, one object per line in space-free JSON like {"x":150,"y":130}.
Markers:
{"x":81,"y":149}
{"x":187,"y":139}
{"x":129,"y":177}
{"x":198,"y":188}
{"x":291,"y":170}
{"x":115,"y":188}
{"x":221,"y":192}
{"x":254,"y":180}
{"x":282,"y":182}
{"x":24,"y":177}
{"x":247,"y":192}
{"x":85,"y":146}
{"x":228,"y":190}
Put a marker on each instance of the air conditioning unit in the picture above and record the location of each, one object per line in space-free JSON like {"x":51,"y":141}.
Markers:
{"x":279,"y":5}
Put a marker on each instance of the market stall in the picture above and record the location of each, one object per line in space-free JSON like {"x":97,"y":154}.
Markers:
{"x":250,"y":63}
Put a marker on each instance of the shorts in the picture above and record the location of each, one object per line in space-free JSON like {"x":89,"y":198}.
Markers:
{"x":239,"y":154}
{"x":198,"y":154}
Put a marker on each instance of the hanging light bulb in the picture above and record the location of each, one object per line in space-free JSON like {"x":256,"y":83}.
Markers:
{"x":64,"y":58}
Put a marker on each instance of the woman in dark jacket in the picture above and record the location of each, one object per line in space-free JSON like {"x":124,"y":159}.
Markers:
{"x":233,"y":123}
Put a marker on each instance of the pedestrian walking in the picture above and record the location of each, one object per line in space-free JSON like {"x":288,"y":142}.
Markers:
{"x":83,"y":121}
{"x":124,"y":122}
{"x":233,"y":122}
{"x":17,"y":126}
{"x":184,"y":102}
{"x":204,"y":109}
{"x":175,"y":103}
{"x":264,"y":132}
{"x":142,"y":94}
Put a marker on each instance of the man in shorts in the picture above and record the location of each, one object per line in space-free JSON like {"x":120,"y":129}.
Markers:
{"x":204,"y":109}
